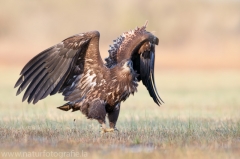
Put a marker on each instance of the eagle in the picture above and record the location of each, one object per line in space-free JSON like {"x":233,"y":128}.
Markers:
{"x":74,"y":67}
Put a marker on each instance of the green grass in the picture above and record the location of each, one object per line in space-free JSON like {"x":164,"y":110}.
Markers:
{"x":200,"y":119}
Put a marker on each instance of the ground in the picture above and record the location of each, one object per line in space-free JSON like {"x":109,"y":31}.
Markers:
{"x":200,"y":119}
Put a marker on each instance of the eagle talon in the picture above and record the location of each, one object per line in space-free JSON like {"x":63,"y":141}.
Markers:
{"x":104,"y":130}
{"x":116,"y":130}
{"x":111,"y":130}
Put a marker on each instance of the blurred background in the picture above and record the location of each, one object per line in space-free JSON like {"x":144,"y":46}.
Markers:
{"x":201,"y":34}
{"x":197,"y":59}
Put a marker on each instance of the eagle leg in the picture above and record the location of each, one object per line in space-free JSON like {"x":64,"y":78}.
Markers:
{"x":113,"y":116}
{"x":96,"y":110}
{"x":66,"y":107}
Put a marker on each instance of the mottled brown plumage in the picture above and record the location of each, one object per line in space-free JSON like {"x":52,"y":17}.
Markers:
{"x":75,"y":68}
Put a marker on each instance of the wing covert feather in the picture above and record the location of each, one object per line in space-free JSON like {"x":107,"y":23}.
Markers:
{"x":51,"y":70}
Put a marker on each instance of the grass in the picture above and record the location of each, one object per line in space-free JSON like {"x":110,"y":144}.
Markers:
{"x":200,"y":119}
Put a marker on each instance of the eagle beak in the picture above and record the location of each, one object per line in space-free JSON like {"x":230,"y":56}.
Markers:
{"x":155,"y":40}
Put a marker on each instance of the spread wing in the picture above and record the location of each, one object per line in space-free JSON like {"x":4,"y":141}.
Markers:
{"x":139,"y":46}
{"x":61,"y":67}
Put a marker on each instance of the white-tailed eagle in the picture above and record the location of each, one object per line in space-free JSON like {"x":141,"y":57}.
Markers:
{"x":75,"y":68}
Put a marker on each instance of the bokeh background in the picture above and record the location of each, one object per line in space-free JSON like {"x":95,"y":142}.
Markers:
{"x":201,"y":34}
{"x":197,"y":59}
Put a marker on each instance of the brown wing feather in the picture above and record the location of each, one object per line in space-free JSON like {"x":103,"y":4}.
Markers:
{"x":55,"y":68}
{"x":139,"y":46}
